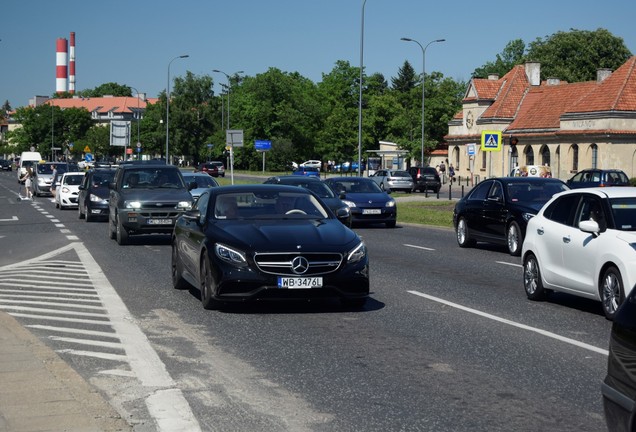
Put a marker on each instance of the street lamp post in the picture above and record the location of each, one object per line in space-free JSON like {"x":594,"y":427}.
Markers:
{"x":168,"y":105}
{"x":138,"y":119}
{"x":229,"y":86}
{"x":364,"y":2}
{"x":423,"y":78}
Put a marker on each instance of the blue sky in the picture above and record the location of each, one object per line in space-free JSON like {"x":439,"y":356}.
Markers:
{"x":132,"y":42}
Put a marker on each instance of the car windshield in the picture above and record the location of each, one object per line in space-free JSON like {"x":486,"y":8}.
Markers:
{"x":152,"y":178}
{"x":400,"y":174}
{"x":204,"y":181}
{"x":45,"y":169}
{"x":624,"y":211}
{"x":268,"y":205}
{"x":103,"y":178}
{"x":73,"y":179}
{"x":357,"y":186}
{"x":535,"y":193}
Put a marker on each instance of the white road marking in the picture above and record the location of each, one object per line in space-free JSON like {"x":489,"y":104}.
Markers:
{"x":13,"y":218}
{"x":418,"y":247}
{"x":514,"y":324}
{"x":509,"y":264}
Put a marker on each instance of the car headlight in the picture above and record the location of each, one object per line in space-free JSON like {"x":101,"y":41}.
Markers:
{"x":358,"y":253}
{"x":96,"y":199}
{"x":229,"y":255}
{"x":41,"y":181}
{"x":390,"y":203}
{"x":527,"y":216}
{"x":184,"y":205}
{"x":132,"y":204}
{"x":349,"y":203}
{"x":65,"y":190}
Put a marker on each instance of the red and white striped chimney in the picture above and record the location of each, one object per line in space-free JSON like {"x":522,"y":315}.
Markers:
{"x":71,"y":65}
{"x":61,"y":57}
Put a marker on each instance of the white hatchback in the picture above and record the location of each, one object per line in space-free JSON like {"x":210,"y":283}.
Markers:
{"x":67,"y":190}
{"x":583,"y":242}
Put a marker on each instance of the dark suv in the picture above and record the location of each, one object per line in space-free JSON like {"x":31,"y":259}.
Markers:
{"x":146,"y":198}
{"x":425,"y":178}
{"x":93,"y":194}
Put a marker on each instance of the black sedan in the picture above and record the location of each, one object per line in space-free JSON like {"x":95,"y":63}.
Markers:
{"x":619,"y":386}
{"x":251,"y":242}
{"x":497,"y":210}
{"x":319,"y":188}
{"x":92,"y":199}
{"x":368,"y":203}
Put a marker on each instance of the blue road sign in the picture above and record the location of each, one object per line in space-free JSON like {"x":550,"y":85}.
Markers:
{"x":262,"y":145}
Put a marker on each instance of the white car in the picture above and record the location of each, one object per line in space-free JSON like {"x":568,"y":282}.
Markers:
{"x":583,"y":242}
{"x":311,"y":164}
{"x":67,"y":190}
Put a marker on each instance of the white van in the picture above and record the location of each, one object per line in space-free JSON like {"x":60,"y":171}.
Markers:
{"x":27,"y":159}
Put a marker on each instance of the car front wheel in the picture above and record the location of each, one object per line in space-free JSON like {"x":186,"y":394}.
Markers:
{"x":514,"y":239}
{"x":177,"y":280}
{"x":121,"y":234}
{"x":207,"y":285}
{"x":463,"y":238}
{"x":611,"y":292}
{"x":532,"y":279}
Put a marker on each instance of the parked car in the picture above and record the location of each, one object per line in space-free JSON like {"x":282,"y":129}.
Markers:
{"x":92,"y":200}
{"x":497,"y":210}
{"x":6,"y":165}
{"x":146,"y":198}
{"x":324,"y":192}
{"x":393,"y":180}
{"x":211,"y":168}
{"x":582,"y":243}
{"x":250,"y":242}
{"x":368,"y":203}
{"x":311,"y":164}
{"x":67,"y":192}
{"x":425,"y":178}
{"x":598,"y":178}
{"x":619,"y":387}
{"x":201,"y":182}
{"x":307,"y":172}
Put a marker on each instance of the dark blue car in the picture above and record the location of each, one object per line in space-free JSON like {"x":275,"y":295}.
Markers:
{"x":368,"y":203}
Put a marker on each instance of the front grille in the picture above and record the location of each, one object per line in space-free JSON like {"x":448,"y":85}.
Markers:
{"x":163,"y":205}
{"x":281,"y":263}
{"x":160,"y":214}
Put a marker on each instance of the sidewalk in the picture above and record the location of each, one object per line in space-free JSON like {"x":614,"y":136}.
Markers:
{"x":40,"y":392}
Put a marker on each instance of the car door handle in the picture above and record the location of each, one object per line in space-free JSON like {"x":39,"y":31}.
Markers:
{"x":566,"y":239}
{"x":540,"y":231}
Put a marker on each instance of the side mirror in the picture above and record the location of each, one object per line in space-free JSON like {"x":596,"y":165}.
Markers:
{"x":590,"y":226}
{"x":343,"y":214}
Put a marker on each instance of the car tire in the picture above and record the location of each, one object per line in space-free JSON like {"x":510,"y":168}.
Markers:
{"x":461,"y":233}
{"x":611,"y":292}
{"x":87,"y":215}
{"x":178,"y":282}
{"x":532,"y":278}
{"x":514,"y":239}
{"x":207,"y":284}
{"x":121,"y":234}
{"x":80,"y":215}
{"x":391,"y":224}
{"x":436,"y":190}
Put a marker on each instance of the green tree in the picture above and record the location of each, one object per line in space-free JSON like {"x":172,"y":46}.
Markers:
{"x":576,"y":55}
{"x":512,"y":54}
{"x":107,"y":89}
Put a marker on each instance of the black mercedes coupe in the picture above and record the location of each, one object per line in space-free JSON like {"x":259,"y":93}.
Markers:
{"x":253,"y":242}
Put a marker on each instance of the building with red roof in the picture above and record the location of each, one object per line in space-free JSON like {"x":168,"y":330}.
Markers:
{"x":568,"y":126}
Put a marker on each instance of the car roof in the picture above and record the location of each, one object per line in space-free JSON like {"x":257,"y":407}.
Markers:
{"x":606,"y":192}
{"x":528,"y":179}
{"x":293,"y":179}
{"x":259,"y":187}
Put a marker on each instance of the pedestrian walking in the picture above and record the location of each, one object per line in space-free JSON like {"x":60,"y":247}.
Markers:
{"x":27,"y":178}
{"x":451,"y":173}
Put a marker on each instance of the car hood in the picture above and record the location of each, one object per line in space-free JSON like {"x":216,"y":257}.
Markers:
{"x":307,"y":235}
{"x":368,"y":198}
{"x":101,"y":192}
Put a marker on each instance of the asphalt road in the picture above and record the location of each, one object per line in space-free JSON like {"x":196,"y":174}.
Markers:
{"x":447,"y":342}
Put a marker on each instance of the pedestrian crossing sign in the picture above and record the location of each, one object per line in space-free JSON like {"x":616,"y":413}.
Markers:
{"x":491,"y":141}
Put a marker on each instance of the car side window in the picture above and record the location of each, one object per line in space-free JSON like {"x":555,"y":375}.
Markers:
{"x":480,"y":192}
{"x":563,"y":209}
{"x":591,"y":209}
{"x":496,"y":191}
{"x":202,"y":205}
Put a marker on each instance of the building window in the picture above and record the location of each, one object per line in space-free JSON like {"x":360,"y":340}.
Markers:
{"x":545,"y":155}
{"x":529,"y":156}
{"x":594,"y":155}
{"x":483,"y":160}
{"x":575,"y":157}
